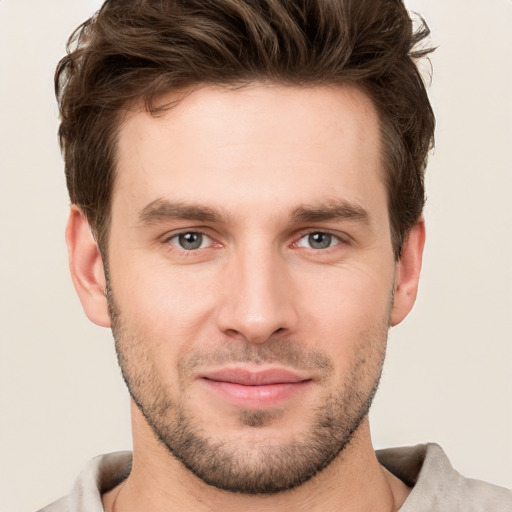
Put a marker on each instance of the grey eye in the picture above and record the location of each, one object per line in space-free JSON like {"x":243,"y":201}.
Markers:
{"x":318,"y":240}
{"x":190,"y":241}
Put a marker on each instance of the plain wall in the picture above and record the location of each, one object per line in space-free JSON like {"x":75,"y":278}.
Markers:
{"x":448,"y":377}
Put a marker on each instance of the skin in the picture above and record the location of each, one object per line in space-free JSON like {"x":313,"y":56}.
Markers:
{"x":262,"y":158}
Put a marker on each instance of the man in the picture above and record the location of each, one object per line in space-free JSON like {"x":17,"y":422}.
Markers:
{"x":246,"y":182}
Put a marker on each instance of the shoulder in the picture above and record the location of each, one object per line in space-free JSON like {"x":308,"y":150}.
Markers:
{"x":437,"y":486}
{"x":98,"y":476}
{"x":483,"y":496}
{"x":57,"y":506}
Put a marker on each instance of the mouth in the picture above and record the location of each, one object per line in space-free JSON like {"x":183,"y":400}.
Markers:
{"x":260,"y":389}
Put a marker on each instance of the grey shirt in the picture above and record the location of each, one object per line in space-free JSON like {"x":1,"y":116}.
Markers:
{"x":437,"y":487}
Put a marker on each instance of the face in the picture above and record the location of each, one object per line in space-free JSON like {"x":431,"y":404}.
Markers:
{"x":251,"y":278}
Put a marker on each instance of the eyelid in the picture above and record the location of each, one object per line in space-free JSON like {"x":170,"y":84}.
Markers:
{"x":182,"y":231}
{"x":166,"y":239}
{"x":342,"y":238}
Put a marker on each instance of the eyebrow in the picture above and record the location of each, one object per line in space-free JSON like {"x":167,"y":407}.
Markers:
{"x":161,"y":210}
{"x":336,"y":210}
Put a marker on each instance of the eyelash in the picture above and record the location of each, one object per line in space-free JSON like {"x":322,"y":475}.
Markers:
{"x":190,"y":252}
{"x":340,"y":240}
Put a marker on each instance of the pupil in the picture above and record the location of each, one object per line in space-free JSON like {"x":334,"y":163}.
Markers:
{"x":320,"y":240}
{"x":191,"y":240}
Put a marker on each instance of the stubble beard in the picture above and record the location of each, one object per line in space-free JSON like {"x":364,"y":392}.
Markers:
{"x":243,"y":465}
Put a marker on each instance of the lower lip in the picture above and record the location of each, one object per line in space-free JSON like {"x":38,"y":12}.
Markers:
{"x":256,"y":397}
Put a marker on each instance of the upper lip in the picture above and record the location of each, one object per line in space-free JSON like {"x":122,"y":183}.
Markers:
{"x":248,"y":377}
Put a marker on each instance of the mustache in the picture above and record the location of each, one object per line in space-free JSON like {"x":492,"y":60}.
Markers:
{"x":280,"y":351}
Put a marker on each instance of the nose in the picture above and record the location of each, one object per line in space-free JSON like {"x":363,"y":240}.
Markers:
{"x":257,"y":297}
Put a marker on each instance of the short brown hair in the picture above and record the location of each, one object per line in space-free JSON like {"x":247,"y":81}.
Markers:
{"x":138,"y":50}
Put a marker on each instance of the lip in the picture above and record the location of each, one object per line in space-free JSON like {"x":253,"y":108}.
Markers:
{"x":251,"y":389}
{"x":249,"y":377}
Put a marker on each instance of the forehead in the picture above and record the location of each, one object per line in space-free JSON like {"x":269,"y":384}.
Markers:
{"x":260,"y":144}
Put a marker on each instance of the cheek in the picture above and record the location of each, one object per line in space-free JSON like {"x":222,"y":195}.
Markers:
{"x":344,"y":306}
{"x":177,"y":304}
{"x":168,"y":306}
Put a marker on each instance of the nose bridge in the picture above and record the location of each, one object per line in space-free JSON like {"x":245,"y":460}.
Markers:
{"x":257,"y":297}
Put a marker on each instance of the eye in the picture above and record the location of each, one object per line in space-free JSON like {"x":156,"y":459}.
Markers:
{"x":318,"y":240}
{"x":190,"y":241}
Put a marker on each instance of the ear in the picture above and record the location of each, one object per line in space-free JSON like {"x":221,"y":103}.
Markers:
{"x":86,"y":268}
{"x":408,"y":273}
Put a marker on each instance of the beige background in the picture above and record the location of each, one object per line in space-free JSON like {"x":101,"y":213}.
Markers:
{"x":448,"y":377}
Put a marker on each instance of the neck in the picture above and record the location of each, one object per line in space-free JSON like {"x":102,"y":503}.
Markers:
{"x":354,"y":481}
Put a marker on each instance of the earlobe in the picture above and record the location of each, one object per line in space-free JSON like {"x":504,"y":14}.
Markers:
{"x":86,"y":266}
{"x":408,"y":273}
